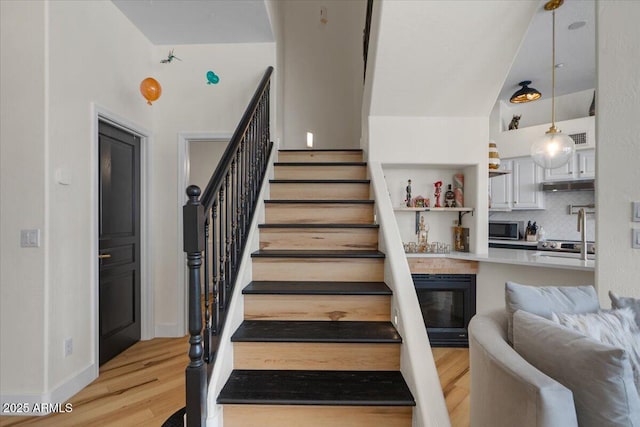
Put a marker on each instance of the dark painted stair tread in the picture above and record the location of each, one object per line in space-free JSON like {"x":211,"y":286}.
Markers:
{"x":344,"y":388}
{"x":320,"y":181}
{"x":320,"y":164}
{"x":335,"y":202}
{"x":310,"y":331}
{"x":322,"y":150}
{"x":298,"y":225}
{"x":316,"y":288}
{"x":316,"y":254}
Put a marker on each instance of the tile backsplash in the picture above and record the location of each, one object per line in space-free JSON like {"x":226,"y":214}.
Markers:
{"x":555,"y":219}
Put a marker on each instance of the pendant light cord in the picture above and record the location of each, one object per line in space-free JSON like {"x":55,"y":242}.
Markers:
{"x":553,"y":71}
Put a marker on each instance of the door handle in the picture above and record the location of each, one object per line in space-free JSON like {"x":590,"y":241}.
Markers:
{"x":104,"y":256}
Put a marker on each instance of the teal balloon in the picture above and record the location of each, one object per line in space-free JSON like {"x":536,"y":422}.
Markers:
{"x":212,"y":78}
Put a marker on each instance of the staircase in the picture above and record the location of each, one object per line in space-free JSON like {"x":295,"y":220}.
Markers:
{"x":317,"y":347}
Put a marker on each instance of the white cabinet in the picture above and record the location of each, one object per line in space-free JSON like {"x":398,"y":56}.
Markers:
{"x":527,"y":177}
{"x":587,"y":163}
{"x":501,"y":195}
{"x":582,"y":165}
{"x":521,"y":188}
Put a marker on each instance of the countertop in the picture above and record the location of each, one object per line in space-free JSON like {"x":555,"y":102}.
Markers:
{"x":516,"y":257}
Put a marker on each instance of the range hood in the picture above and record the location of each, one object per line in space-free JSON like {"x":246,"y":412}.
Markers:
{"x":581,"y":185}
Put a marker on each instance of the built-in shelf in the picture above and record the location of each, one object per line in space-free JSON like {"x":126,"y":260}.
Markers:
{"x":429,"y":209}
{"x":497,"y":172}
{"x":461,"y":212}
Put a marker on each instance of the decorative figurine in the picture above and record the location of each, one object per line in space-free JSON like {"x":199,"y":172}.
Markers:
{"x":438,"y":186}
{"x":449,"y":198}
{"x":170,"y":58}
{"x":423,"y":234}
{"x":515,"y":122}
{"x":408,"y":198}
{"x":458,"y":184}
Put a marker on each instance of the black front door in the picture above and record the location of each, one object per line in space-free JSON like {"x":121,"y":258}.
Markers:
{"x":119,"y":229}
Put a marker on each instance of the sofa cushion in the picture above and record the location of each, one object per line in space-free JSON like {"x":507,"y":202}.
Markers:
{"x":545,"y":300}
{"x":616,"y":328}
{"x":624,"y":302}
{"x":599,"y":375}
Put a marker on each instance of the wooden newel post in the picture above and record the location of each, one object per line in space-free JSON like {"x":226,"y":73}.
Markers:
{"x":196,"y":372}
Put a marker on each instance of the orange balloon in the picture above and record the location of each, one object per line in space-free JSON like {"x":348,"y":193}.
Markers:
{"x":150,"y":89}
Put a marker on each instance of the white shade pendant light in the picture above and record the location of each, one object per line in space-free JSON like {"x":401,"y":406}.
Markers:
{"x":554,"y":149}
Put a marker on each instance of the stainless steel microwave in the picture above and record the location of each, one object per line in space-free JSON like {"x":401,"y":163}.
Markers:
{"x":506,"y":230}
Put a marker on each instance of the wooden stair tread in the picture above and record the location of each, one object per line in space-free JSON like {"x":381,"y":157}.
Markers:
{"x":342,"y":388}
{"x":316,"y":331}
{"x":266,"y":253}
{"x":320,"y":181}
{"x":302,"y":225}
{"x":320,"y":164}
{"x":337,"y":202}
{"x":321,"y":150}
{"x":316,"y":288}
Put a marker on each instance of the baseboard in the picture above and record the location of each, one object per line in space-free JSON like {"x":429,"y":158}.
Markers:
{"x":57,"y":400}
{"x":169,"y":330}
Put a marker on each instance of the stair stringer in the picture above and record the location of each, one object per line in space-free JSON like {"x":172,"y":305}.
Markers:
{"x":235,"y":315}
{"x":416,"y":359}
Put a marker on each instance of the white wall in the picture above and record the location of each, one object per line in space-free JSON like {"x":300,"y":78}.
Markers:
{"x":189,"y":104}
{"x":445,"y":58}
{"x":517,"y":142}
{"x":422,"y":142}
{"x":491,"y":278}
{"x":618,"y":154}
{"x":204,"y":156}
{"x":23,"y":167}
{"x":323,"y":72}
{"x":58,"y":59}
{"x":568,"y":107}
{"x":79,"y":53}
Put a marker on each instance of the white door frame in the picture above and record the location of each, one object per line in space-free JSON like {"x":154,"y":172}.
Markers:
{"x":147,"y":329}
{"x":183,"y":178}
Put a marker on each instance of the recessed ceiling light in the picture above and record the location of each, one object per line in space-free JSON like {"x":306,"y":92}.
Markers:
{"x":577,"y":24}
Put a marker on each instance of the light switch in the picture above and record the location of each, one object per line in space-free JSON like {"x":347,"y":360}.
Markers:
{"x":635,"y":236}
{"x":30,"y":238}
{"x":635,"y":216}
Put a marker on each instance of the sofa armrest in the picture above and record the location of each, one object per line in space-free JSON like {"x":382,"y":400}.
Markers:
{"x":505,"y":389}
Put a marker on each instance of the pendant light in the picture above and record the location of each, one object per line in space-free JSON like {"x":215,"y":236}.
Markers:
{"x":554,"y":149}
{"x":525,"y":93}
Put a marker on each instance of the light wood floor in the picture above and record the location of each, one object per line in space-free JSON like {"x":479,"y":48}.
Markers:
{"x":142,"y":386}
{"x":453,"y":370}
{"x":145,"y":385}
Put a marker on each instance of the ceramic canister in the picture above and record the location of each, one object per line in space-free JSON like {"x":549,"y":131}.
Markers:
{"x":494,"y":157}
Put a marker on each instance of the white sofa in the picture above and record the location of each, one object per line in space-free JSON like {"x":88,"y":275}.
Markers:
{"x":506,"y":390}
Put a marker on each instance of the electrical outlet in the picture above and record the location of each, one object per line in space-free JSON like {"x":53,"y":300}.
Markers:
{"x":68,"y":347}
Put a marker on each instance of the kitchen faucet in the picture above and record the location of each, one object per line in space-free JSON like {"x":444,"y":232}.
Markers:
{"x":582,"y":228}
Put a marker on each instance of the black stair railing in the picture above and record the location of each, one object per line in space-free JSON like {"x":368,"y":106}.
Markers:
{"x":217,"y":225}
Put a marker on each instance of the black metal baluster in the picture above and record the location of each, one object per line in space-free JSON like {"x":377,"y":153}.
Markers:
{"x":207,"y":303}
{"x":227,"y":235}
{"x":223,"y":277}
{"x":216,"y":286}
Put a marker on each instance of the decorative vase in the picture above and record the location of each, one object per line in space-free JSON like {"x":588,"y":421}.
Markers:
{"x":494,"y":157}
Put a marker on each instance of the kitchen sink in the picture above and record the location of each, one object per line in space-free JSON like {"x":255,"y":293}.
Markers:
{"x":563,"y":255}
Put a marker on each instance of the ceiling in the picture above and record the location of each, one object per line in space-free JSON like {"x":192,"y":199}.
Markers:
{"x":575,"y":49}
{"x":175,"y":22}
